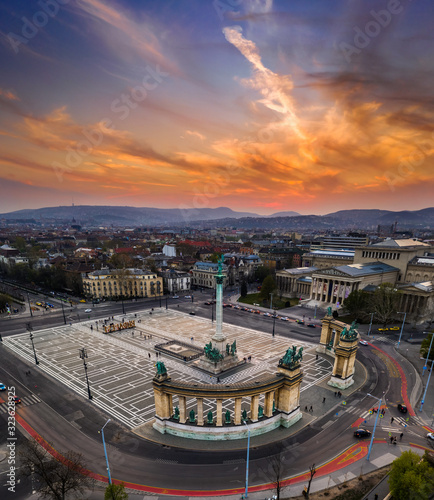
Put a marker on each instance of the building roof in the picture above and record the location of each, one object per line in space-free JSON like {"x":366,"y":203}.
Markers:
{"x":332,"y":253}
{"x":404,"y":243}
{"x":425,"y":286}
{"x":300,"y":270}
{"x":423,"y":261}
{"x":366,"y":269}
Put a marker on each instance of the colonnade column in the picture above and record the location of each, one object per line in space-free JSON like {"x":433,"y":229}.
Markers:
{"x":199,"y":411}
{"x":254,"y":404}
{"x":268,"y":404}
{"x":237,"y":415}
{"x":182,"y":409}
{"x":219,"y":412}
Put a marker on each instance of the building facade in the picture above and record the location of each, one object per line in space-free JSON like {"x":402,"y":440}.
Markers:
{"x":202,"y":274}
{"x":175,"y":281}
{"x":128,"y":283}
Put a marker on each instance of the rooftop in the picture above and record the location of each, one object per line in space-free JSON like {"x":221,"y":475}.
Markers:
{"x":405,"y":243}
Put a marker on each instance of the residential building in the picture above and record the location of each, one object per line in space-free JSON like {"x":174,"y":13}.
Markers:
{"x":203,"y":274}
{"x":175,"y":281}
{"x":111,"y":283}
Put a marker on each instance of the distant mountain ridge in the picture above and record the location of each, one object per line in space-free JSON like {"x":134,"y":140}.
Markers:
{"x":89,"y":215}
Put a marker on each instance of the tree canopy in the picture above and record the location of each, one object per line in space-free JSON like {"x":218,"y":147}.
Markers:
{"x":384,"y":303}
{"x":411,"y":477}
{"x":115,"y":492}
{"x":424,"y":347}
{"x":268,"y":286}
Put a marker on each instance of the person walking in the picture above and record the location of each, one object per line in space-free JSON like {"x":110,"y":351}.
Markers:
{"x":401,"y":436}
{"x":323,"y":400}
{"x":391,"y":420}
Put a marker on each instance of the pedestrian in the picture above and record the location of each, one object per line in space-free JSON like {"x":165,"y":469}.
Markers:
{"x":391,"y":439}
{"x":391,"y":420}
{"x":305,"y":408}
{"x":323,"y":400}
{"x":218,"y":380}
{"x":149,"y":355}
{"x":401,"y":436}
{"x":311,"y":409}
{"x":394,"y":440}
{"x":316,"y":356}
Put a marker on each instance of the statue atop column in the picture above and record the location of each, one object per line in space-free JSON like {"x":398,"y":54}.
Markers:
{"x":291,"y":358}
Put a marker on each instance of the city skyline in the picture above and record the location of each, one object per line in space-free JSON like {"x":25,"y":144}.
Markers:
{"x":260,"y":106}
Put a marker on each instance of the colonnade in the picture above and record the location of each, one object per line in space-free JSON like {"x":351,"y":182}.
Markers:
{"x":332,"y":290}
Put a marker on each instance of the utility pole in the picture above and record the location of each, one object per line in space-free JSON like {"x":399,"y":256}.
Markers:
{"x":83,"y":356}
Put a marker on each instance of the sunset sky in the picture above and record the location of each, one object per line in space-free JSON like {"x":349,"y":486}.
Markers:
{"x":260,"y":105}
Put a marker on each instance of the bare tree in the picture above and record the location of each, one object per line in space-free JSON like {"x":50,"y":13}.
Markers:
{"x":312,"y":471}
{"x":55,"y":478}
{"x":275,"y":471}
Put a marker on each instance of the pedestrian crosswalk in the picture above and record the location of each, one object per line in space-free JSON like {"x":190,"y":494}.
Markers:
{"x":386,"y":340}
{"x":25,"y":401}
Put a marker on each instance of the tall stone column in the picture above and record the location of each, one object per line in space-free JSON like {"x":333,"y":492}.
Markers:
{"x":268,"y":405}
{"x":219,"y":412}
{"x":254,"y":405}
{"x":199,"y":411}
{"x":218,"y":338}
{"x":182,"y":409}
{"x":237,"y":412}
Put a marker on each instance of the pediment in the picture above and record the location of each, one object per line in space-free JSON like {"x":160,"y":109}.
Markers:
{"x":331,"y":272}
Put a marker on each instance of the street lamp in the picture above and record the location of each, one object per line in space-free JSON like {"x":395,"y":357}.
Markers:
{"x":426,"y":388}
{"x":271,"y":302}
{"x":105,"y":451}
{"x":63,"y":311}
{"x":274,"y":322}
{"x":83,"y":356}
{"x":29,"y":328}
{"x":247,"y":462}
{"x":370,"y":324}
{"x":375,"y":424}
{"x":429,"y":350}
{"x":402,"y":328}
{"x":30,"y":307}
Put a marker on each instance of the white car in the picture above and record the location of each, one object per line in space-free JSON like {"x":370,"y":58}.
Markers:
{"x":175,"y":297}
{"x":363,"y":342}
{"x":187,"y":297}
{"x":430,"y":435}
{"x":88,"y":310}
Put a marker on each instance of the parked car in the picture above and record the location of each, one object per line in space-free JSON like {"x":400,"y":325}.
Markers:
{"x":311,"y":325}
{"x":2,"y":387}
{"x":192,"y":313}
{"x":383,"y":329}
{"x":267,"y":314}
{"x":402,"y":408}
{"x":395,"y":328}
{"x":361,"y":433}
{"x":299,"y":321}
{"x":175,"y":297}
{"x":363,"y":342}
{"x":187,"y":297}
{"x":284,"y":318}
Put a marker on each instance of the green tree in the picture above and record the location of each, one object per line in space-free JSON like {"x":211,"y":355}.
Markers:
{"x":411,"y":477}
{"x":115,"y":492}
{"x":214,"y":257}
{"x":243,"y":290}
{"x":268,"y":286}
{"x":357,"y":304}
{"x":384,"y":303}
{"x":20,"y":244}
{"x":262,"y":272}
{"x":424,"y":347}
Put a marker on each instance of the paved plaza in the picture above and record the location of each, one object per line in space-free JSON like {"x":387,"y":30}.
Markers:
{"x":121,"y":365}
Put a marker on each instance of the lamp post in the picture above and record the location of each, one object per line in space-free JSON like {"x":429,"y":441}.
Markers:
{"x":370,"y":324}
{"x":375,"y":424}
{"x":105,"y":452}
{"x":274,"y":322}
{"x":247,"y":461}
{"x":83,"y":356}
{"x":30,"y":307}
{"x":426,"y":388}
{"x":429,"y":350}
{"x":63,"y":311}
{"x":402,"y":328}
{"x":271,"y":302}
{"x":29,"y":328}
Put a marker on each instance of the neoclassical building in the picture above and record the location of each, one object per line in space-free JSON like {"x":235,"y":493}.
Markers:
{"x":295,"y":282}
{"x":111,"y":283}
{"x":202,"y":274}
